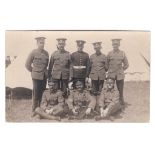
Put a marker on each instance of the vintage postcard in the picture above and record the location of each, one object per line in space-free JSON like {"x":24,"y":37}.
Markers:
{"x":77,"y":76}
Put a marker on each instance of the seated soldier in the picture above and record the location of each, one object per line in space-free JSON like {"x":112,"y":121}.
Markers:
{"x":108,"y":101}
{"x":80,"y":102}
{"x":52,"y":103}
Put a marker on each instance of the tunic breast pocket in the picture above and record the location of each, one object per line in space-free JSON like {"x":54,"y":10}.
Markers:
{"x":112,"y":61}
{"x":119,"y":57}
{"x":65,"y":61}
{"x":44,"y":60}
{"x":101,"y":63}
{"x":56,"y":60}
{"x":103,"y":60}
{"x":117,"y":60}
{"x":37,"y":60}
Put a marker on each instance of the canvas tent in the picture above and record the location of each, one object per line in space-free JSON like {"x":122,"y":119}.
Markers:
{"x":17,"y":75}
{"x":142,"y":70}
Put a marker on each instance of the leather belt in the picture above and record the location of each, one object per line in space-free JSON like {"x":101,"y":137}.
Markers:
{"x":79,"y":67}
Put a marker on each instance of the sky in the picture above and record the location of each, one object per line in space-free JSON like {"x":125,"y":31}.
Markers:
{"x":133,"y":43}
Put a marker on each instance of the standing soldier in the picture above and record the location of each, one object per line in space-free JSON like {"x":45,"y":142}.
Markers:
{"x":98,"y":68}
{"x":59,"y":66}
{"x":37,"y":63}
{"x":80,"y":64}
{"x":117,"y":64}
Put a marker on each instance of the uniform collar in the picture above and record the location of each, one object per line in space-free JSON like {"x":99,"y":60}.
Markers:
{"x":80,"y":92}
{"x":52,"y":92}
{"x":62,"y":51}
{"x":98,"y":54}
{"x":80,"y":51}
{"x":41,"y":50}
{"x":116,"y":51}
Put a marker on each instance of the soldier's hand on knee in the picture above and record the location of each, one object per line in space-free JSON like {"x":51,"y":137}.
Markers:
{"x":74,"y":112}
{"x":88,"y":111}
{"x":49,"y":111}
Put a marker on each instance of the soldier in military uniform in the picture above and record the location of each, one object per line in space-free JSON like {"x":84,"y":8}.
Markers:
{"x":98,"y":68}
{"x":80,"y":64}
{"x":108,"y":101}
{"x":117,"y":64}
{"x":59,"y":66}
{"x":80,"y":102}
{"x":52,"y":104}
{"x":37,"y":63}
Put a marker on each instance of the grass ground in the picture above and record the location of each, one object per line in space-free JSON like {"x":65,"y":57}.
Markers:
{"x":136,"y":96}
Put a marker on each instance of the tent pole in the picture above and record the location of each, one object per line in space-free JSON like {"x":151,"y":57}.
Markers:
{"x":10,"y":100}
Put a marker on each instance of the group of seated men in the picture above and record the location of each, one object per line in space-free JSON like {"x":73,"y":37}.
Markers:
{"x":80,"y":104}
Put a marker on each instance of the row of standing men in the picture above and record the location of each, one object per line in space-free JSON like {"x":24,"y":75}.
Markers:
{"x":78,"y":66}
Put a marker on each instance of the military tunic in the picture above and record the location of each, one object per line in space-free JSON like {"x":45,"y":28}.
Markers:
{"x":98,"y":65}
{"x":117,"y":63}
{"x":109,"y":99}
{"x":39,"y":59}
{"x":59,"y":66}
{"x":59,"y":69}
{"x":98,"y":68}
{"x":81,"y":101}
{"x":37,"y":63}
{"x":80,"y":66}
{"x":54,"y":101}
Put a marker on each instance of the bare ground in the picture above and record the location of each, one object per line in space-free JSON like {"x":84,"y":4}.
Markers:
{"x":136,"y":96}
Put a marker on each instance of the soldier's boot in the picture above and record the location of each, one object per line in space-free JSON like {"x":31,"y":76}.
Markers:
{"x":35,"y":104}
{"x":98,"y":118}
{"x":122,"y":103}
{"x":37,"y":117}
{"x":44,"y":115}
{"x":78,"y":117}
{"x":111,"y":110}
{"x":33,"y":110}
{"x":65,"y":112}
{"x":107,"y":114}
{"x":91,"y":115}
{"x":122,"y":100}
{"x":72,"y":117}
{"x":82,"y":116}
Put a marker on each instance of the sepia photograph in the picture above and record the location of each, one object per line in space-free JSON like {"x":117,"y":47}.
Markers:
{"x":94,"y":76}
